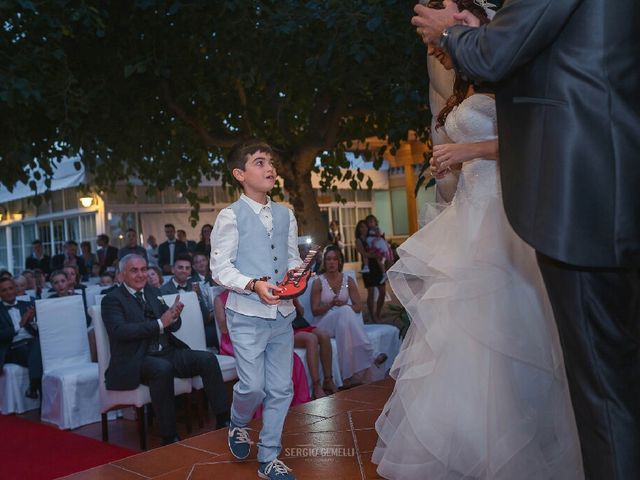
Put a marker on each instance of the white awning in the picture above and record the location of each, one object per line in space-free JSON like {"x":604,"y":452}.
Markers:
{"x":64,"y":176}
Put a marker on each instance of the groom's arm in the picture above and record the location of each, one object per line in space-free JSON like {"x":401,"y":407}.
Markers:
{"x":518,"y":32}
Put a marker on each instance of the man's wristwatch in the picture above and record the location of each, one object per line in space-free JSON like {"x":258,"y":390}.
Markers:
{"x":444,"y":37}
{"x":252,"y":284}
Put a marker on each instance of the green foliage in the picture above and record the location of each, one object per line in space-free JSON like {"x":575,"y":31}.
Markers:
{"x":160,"y":89}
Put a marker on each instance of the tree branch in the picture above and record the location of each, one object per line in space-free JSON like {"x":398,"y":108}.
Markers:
{"x":200,"y":129}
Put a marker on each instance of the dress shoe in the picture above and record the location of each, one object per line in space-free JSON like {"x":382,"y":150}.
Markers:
{"x":32,"y":392}
{"x":169,"y":440}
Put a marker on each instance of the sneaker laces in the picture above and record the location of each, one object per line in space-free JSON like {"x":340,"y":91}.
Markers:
{"x":240,"y":435}
{"x":278,"y":467}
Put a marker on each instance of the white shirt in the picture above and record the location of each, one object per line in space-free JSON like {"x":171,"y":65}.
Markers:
{"x":225,"y":240}
{"x":21,"y":333}
{"x":172,"y":249}
{"x":133,"y":291}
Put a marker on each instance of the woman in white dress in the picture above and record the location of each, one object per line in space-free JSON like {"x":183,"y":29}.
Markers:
{"x":336,"y":306}
{"x":480,"y":388}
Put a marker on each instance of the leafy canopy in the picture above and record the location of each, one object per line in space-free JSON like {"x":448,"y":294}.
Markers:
{"x":160,"y":89}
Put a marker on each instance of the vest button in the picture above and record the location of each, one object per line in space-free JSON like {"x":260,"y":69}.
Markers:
{"x":275,"y":258}
{"x":276,"y":270}
{"x":272,"y":247}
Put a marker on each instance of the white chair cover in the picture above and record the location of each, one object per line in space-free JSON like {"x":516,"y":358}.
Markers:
{"x":110,"y":399}
{"x":14,"y":381}
{"x":70,"y":381}
{"x":91,"y":292}
{"x":24,"y":298}
{"x":191,"y":331}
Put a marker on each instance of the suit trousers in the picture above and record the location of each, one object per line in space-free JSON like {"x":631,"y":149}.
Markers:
{"x":598,"y":316}
{"x":159,"y":370}
{"x":264,"y":360}
{"x":28,"y":355}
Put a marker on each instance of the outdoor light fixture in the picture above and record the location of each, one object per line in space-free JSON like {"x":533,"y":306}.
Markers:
{"x":86,"y":201}
{"x":17,"y":216}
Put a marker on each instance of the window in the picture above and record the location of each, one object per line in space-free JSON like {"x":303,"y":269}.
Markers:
{"x":58,"y":237}
{"x":88,"y":229}
{"x":4,"y":257}
{"x":44,"y":234}
{"x":17,"y":248}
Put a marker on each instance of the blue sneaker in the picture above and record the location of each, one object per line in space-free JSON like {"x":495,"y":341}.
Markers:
{"x":239,"y":441}
{"x":275,"y":470}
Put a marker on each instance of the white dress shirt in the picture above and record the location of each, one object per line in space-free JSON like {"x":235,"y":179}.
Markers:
{"x":223,"y":256}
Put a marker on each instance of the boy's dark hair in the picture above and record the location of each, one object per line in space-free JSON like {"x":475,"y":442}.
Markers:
{"x":238,"y":154}
{"x":36,"y":242}
{"x":169,"y":225}
{"x":185,"y":257}
{"x":103,"y":237}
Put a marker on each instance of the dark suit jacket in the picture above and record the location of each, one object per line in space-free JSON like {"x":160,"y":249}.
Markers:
{"x":7,"y":332}
{"x":107,"y":257}
{"x":129,"y":334}
{"x":164,"y":255}
{"x":44,"y":264}
{"x":568,"y":122}
{"x":57,"y":263}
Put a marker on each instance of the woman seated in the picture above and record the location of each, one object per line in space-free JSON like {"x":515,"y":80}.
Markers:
{"x":314,"y":340}
{"x":336,"y":305}
{"x":299,"y":375}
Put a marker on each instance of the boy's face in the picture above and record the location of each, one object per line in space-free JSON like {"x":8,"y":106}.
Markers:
{"x":259,"y":174}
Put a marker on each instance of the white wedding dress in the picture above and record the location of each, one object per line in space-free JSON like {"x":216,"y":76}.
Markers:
{"x":480,"y":388}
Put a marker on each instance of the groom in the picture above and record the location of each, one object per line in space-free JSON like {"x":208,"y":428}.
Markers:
{"x":568,"y":74}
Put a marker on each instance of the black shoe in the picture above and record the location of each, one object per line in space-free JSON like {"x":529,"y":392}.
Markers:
{"x":32,"y":392}
{"x":169,"y":440}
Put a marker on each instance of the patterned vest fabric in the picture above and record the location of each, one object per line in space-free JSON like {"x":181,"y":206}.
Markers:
{"x":260,"y":256}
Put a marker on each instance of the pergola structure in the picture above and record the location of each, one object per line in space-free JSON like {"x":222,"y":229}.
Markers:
{"x":408,"y":155}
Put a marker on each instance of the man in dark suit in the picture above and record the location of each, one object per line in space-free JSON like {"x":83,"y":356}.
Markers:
{"x":38,"y":258}
{"x":168,"y":251}
{"x":569,"y":133}
{"x":181,"y":235}
{"x":182,"y":281}
{"x":107,"y":255}
{"x":144,"y":349}
{"x":18,"y":335}
{"x":69,"y":258}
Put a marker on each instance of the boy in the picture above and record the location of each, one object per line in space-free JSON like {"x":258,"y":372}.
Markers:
{"x":255,"y":238}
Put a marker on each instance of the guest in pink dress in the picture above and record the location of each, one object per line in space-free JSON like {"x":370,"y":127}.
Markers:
{"x":298,"y":375}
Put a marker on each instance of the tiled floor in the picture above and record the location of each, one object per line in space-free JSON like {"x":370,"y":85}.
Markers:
{"x":331,"y":438}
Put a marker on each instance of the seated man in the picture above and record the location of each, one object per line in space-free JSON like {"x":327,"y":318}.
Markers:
{"x":144,"y":350}
{"x":18,"y":335}
{"x":182,"y":281}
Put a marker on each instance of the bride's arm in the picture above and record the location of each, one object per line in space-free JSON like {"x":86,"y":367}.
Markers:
{"x":449,"y":154}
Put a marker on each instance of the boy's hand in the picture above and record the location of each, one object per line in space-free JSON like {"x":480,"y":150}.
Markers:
{"x":263,"y":290}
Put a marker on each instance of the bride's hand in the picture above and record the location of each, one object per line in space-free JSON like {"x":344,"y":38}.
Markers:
{"x":447,"y":155}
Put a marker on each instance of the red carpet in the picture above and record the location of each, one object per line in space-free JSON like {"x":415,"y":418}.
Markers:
{"x":30,"y":450}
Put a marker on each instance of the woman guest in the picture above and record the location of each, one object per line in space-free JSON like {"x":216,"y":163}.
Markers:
{"x":90,"y":260}
{"x":335,"y":304}
{"x":314,"y":340}
{"x":204,"y":245}
{"x":372,"y":274}
{"x":154,"y":277}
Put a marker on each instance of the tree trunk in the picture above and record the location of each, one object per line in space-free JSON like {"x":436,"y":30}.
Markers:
{"x":296,"y":172}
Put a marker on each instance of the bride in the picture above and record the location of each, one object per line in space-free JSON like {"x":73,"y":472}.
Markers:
{"x":480,"y":388}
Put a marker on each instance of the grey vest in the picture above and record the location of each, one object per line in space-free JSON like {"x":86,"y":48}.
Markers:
{"x":258,"y":255}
